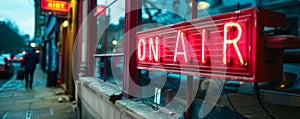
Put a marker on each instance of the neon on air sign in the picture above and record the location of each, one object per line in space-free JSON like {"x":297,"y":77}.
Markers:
{"x":180,"y":41}
{"x":225,"y":46}
{"x":57,"y":6}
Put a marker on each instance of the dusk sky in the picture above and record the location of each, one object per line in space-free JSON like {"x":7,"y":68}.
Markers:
{"x":21,"y":12}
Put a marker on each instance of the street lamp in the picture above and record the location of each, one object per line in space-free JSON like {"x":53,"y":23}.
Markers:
{"x":65,"y":23}
{"x":114,"y":42}
{"x":201,"y":5}
{"x":32,"y":44}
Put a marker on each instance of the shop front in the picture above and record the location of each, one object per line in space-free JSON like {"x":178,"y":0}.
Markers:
{"x":50,"y":52}
{"x":183,"y":59}
{"x":57,"y":41}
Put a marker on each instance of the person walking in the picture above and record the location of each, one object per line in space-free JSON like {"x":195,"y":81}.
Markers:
{"x":29,"y":64}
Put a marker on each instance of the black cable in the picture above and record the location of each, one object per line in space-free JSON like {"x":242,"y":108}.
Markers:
{"x":257,"y":92}
{"x":230,"y":101}
{"x":147,"y":102}
{"x":238,"y":11}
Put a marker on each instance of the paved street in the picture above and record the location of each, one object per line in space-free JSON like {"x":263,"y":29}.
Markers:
{"x":16,"y":102}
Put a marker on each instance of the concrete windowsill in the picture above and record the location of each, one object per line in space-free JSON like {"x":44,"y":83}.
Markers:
{"x":141,"y":110}
{"x":99,"y":87}
{"x":137,"y":109}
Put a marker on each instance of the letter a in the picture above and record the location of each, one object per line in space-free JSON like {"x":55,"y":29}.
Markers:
{"x":180,"y":38}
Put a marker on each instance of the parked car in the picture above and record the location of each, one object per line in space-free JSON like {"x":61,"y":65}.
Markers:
{"x":18,"y":58}
{"x":8,"y":56}
{"x":6,"y":67}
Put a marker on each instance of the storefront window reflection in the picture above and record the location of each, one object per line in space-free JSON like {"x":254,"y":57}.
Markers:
{"x":110,"y":29}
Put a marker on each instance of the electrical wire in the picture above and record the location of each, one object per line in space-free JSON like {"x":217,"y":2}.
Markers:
{"x":257,"y":92}
{"x":238,"y":11}
{"x":110,"y":4}
{"x":229,"y":100}
{"x":153,"y":105}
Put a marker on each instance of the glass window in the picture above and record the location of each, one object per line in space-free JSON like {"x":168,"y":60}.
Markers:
{"x":110,"y":31}
{"x":110,"y":25}
{"x":157,"y":13}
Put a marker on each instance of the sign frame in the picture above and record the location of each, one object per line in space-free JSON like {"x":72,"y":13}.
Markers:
{"x":262,"y":64}
{"x":55,"y":6}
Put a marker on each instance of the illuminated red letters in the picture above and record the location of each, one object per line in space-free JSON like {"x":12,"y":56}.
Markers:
{"x":149,"y":47}
{"x":232,"y":41}
{"x":57,"y":6}
{"x":141,"y":45}
{"x":223,"y":46}
{"x":180,"y":39}
{"x":153,"y":50}
{"x":202,"y":49}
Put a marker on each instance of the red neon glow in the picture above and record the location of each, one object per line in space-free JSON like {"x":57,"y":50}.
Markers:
{"x":141,"y":45}
{"x":58,"y":6}
{"x":232,"y":41}
{"x":202,"y":50}
{"x":100,"y":10}
{"x":153,"y":50}
{"x":180,"y":36}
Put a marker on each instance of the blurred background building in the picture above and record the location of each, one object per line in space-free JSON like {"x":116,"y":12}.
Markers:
{"x":110,"y":53}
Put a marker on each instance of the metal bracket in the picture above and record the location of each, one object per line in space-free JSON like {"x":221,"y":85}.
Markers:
{"x":283,"y":42}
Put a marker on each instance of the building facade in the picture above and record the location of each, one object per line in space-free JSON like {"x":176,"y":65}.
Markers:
{"x":108,"y":83}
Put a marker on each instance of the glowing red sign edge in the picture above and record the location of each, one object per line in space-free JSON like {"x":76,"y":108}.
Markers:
{"x":44,"y":6}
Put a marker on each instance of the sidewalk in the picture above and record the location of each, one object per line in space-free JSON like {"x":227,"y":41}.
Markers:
{"x":16,"y":102}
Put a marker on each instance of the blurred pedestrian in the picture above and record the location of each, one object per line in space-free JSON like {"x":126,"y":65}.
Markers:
{"x":29,"y":64}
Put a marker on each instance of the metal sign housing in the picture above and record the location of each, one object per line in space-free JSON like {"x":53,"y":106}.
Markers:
{"x":229,"y":46}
